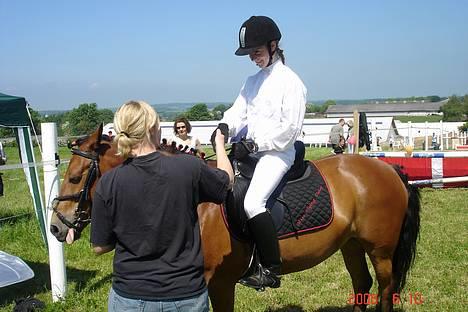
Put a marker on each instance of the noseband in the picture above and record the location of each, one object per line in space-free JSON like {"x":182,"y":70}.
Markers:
{"x":82,"y":217}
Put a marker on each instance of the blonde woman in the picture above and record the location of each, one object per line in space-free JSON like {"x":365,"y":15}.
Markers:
{"x":146,"y":209}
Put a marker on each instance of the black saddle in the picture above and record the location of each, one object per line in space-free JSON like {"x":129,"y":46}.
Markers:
{"x":299,"y":204}
{"x":234,"y":205}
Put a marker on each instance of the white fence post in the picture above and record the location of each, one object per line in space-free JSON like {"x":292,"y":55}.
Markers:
{"x":58,"y":278}
{"x":410,"y":134}
{"x":441,"y":135}
{"x":374,"y":135}
{"x":426,"y":137}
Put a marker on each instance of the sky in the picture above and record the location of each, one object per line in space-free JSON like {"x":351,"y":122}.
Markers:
{"x":59,"y":54}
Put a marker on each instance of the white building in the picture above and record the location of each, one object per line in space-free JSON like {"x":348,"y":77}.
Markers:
{"x":387,"y":108}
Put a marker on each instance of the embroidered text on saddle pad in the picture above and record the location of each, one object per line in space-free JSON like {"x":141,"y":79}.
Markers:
{"x":309,"y":205}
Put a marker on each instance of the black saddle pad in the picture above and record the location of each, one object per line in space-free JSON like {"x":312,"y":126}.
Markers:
{"x":304,"y":205}
{"x":308,"y":204}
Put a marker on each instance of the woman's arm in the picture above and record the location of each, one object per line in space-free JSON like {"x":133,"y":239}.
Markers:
{"x":99,"y":250}
{"x":222,"y":160}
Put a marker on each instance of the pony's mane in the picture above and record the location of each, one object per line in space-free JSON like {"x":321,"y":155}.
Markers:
{"x":105,"y":137}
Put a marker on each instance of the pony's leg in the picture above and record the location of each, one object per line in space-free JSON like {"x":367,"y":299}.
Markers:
{"x":222,"y":295}
{"x":383,"y":271}
{"x":355,"y":260}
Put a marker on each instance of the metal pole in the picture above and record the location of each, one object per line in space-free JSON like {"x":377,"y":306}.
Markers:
{"x":58,"y":276}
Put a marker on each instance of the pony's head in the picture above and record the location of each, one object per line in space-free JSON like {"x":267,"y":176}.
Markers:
{"x":91,"y":157}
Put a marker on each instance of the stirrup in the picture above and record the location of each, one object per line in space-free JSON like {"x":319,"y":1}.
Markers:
{"x":261,"y":278}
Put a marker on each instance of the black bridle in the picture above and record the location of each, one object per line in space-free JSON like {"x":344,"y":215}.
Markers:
{"x":82,"y":215}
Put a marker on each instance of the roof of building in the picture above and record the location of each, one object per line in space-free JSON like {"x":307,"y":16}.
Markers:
{"x":387,"y":107}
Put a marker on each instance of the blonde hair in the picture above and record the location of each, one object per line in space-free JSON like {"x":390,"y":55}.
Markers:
{"x":133,"y":122}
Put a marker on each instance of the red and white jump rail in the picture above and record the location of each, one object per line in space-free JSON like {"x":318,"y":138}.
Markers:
{"x":426,"y":169}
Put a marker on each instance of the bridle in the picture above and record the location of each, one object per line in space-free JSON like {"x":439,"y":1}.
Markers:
{"x":82,"y":215}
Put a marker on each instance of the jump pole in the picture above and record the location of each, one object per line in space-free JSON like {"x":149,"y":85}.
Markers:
{"x":58,"y":276}
{"x":442,"y":180}
{"x":457,"y":154}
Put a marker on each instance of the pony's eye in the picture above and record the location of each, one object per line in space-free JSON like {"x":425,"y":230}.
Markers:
{"x":75,"y":180}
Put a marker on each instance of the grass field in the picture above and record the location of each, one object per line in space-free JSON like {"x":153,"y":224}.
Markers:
{"x":439,"y":275}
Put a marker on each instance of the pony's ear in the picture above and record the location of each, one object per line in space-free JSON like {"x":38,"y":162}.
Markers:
{"x":99,"y":137}
{"x":95,"y":138}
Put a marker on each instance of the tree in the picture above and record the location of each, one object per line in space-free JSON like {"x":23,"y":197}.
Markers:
{"x":464,"y":127}
{"x":6,"y":132}
{"x":106,"y":115}
{"x":465,"y":107}
{"x":36,"y":119}
{"x":434,"y":98}
{"x":218,"y":111}
{"x":199,"y":112}
{"x":453,"y":109}
{"x":326,"y":104}
{"x":58,"y":119}
{"x":82,"y":120}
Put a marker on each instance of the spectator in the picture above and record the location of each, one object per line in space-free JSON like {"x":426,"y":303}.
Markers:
{"x":146,"y":209}
{"x":184,"y":141}
{"x":391,"y":142}
{"x":336,"y":133}
{"x":351,"y":139}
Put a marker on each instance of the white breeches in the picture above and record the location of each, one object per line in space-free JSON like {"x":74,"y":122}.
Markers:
{"x":270,"y":169}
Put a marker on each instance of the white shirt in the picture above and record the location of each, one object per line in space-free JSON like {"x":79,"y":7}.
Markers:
{"x":191,"y":142}
{"x":272,"y":104}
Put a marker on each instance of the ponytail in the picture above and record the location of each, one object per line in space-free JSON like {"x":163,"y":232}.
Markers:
{"x":280,"y":54}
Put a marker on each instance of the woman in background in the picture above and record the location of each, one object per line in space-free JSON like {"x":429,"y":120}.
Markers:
{"x":182,"y":138}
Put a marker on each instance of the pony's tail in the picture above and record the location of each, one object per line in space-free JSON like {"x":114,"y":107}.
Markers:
{"x":405,"y":251}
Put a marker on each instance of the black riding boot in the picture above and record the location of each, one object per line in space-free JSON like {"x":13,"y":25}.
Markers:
{"x":264,"y":234}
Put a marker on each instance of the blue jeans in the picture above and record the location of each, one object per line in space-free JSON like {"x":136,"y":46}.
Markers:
{"x":198,"y":303}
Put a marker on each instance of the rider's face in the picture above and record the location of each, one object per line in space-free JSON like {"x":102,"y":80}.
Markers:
{"x":260,"y":55}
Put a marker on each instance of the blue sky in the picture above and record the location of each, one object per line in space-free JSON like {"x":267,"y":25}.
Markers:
{"x":59,"y":54}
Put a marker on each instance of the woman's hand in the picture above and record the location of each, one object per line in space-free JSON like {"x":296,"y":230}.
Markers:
{"x":219,"y":138}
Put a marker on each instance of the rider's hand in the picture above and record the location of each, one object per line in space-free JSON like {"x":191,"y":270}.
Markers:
{"x":225,"y":132}
{"x":243,"y":148}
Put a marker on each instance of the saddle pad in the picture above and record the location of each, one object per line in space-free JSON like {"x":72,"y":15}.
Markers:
{"x":303,"y":205}
{"x":308,"y":204}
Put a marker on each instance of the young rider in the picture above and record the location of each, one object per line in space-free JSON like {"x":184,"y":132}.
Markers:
{"x":271,"y":104}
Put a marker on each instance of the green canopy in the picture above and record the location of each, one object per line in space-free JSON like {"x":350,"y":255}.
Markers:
{"x":13,"y":111}
{"x":14,"y":114}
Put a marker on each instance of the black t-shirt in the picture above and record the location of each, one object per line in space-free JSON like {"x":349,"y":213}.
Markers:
{"x":147,"y":207}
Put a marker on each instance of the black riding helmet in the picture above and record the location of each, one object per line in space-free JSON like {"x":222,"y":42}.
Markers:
{"x":255,"y":32}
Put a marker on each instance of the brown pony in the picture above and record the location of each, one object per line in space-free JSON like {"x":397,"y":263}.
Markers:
{"x":376,"y":212}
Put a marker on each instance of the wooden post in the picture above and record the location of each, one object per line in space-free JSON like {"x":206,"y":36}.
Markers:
{"x":356,"y":131}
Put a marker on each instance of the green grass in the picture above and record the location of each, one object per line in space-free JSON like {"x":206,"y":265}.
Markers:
{"x":439,"y":273}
